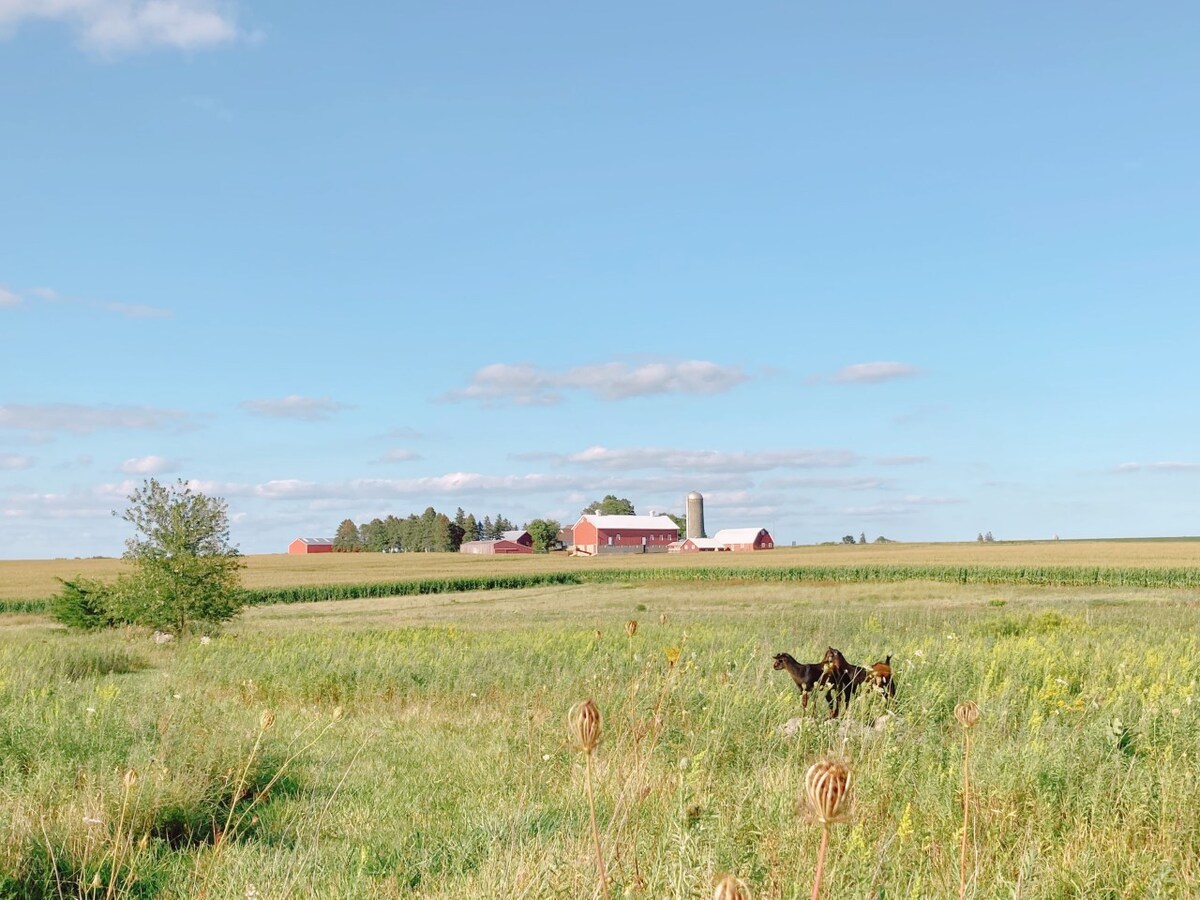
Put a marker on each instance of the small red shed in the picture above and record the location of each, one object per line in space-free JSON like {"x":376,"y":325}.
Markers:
{"x":303,"y":546}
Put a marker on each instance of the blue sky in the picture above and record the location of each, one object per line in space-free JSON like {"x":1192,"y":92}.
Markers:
{"x":920,"y":271}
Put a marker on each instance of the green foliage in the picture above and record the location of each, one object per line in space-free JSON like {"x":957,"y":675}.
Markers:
{"x":84,"y":603}
{"x":347,"y":539}
{"x":611,"y":505}
{"x":544,"y":532}
{"x":185,"y":570}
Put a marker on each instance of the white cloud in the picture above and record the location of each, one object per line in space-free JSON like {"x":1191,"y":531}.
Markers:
{"x":708,"y":460}
{"x":307,"y":409}
{"x":1159,"y":467}
{"x":116,"y":26}
{"x":148,"y":465}
{"x":8,"y":299}
{"x":77,"y":418}
{"x":527,"y":385}
{"x":14,"y":461}
{"x":874,"y":373}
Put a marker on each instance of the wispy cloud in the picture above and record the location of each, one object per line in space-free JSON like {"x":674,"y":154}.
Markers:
{"x":15,"y":461}
{"x":863,"y":483}
{"x":871,"y":373}
{"x":121,"y":26}
{"x":76,"y":418}
{"x":148,"y":465}
{"x":8,"y":299}
{"x":1158,"y":467}
{"x":707,"y":460}
{"x":524,"y":384}
{"x":397,"y":455}
{"x":129,"y":310}
{"x":307,"y":409}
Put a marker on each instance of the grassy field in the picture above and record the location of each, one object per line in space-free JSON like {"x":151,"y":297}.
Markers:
{"x":21,"y":579}
{"x":419,"y":748}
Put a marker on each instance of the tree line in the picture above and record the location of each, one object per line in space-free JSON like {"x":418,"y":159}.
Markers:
{"x":436,"y":532}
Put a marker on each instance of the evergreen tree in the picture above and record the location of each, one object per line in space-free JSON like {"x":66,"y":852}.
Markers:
{"x":347,"y":538}
{"x":470,"y":528}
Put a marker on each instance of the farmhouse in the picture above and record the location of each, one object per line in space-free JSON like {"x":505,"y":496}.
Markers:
{"x":302,"y":546}
{"x":594,"y":534}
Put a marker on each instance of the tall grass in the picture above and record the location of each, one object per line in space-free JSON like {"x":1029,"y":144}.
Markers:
{"x":450,"y":774}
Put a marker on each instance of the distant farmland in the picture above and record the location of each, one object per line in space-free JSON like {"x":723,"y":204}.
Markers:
{"x":32,"y":579}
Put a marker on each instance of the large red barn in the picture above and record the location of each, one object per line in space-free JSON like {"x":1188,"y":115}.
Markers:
{"x":623,"y":534}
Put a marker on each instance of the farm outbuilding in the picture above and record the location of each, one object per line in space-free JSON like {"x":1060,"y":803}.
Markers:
{"x":695,"y":545}
{"x":518,"y":536}
{"x":496,"y":547}
{"x":623,"y":534}
{"x":744,"y":539}
{"x":302,"y":546}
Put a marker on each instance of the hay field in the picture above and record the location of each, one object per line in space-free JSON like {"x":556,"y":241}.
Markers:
{"x":446,"y":771}
{"x":37,"y":578}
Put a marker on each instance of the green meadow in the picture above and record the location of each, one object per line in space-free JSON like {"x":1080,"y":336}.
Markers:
{"x":418,"y":745}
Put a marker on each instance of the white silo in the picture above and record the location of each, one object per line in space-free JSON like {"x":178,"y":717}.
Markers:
{"x":695,"y":515}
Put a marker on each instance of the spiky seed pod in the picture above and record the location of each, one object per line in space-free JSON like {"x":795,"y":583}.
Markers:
{"x":662,"y":618}
{"x":967,"y":714}
{"x":337,"y":713}
{"x":266,"y":720}
{"x":731,"y":888}
{"x":827,"y":785}
{"x":129,"y":779}
{"x":672,"y":654}
{"x":583,"y":725}
{"x":631,"y":627}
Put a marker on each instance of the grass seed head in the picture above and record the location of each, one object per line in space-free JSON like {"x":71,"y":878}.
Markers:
{"x":827,"y":786}
{"x":967,"y":714}
{"x":731,"y":888}
{"x":583,"y":725}
{"x":129,"y":779}
{"x":662,"y":618}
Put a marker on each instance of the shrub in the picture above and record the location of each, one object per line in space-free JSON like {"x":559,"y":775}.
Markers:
{"x":84,"y":603}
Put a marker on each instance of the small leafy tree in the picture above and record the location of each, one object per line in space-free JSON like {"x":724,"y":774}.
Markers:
{"x":544,"y":532}
{"x":848,"y":539}
{"x":185,"y":571}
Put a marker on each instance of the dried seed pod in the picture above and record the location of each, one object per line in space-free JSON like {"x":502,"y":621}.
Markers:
{"x":967,"y":714}
{"x":662,"y":618}
{"x":631,"y":627}
{"x":827,"y":785}
{"x":266,"y":720}
{"x":583,"y":725}
{"x":731,"y":888}
{"x":129,"y":779}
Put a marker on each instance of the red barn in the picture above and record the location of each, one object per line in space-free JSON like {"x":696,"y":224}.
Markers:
{"x":302,"y":546}
{"x":623,"y":534}
{"x":695,"y":545}
{"x":744,"y":539}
